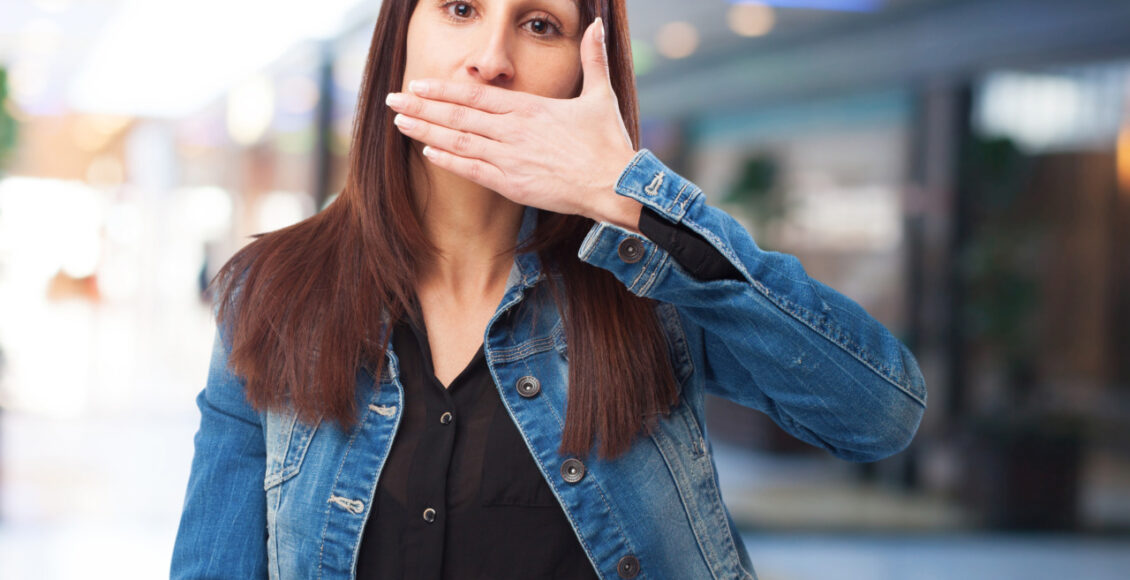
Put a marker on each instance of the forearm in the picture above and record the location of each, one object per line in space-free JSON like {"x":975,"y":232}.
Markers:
{"x":778,"y":340}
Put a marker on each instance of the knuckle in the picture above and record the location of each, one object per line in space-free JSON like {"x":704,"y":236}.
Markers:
{"x":462,"y":143}
{"x":457,"y":116}
{"x":475,"y":171}
{"x":476,"y":94}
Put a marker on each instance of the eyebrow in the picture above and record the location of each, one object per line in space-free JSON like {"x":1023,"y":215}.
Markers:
{"x":576,"y":4}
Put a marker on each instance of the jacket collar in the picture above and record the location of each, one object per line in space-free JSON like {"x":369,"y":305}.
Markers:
{"x":526,"y":270}
{"x":524,"y":274}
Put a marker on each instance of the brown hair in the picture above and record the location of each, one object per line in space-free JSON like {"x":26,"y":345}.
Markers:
{"x":303,"y":304}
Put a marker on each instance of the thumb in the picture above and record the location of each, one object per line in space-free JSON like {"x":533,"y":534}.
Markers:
{"x":594,"y":58}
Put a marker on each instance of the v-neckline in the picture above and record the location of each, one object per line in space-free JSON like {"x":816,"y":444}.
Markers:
{"x":420,"y":333}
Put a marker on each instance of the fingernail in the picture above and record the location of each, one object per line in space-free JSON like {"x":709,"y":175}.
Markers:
{"x":429,"y":152}
{"x":394,"y":99}
{"x":403,"y":122}
{"x":418,"y":87}
{"x":600,"y":30}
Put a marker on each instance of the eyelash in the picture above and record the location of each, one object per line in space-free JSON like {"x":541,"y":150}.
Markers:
{"x":446,"y":7}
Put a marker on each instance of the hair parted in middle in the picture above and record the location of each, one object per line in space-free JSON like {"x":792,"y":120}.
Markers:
{"x":307,"y":305}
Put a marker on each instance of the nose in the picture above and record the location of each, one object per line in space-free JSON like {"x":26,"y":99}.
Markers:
{"x":490,"y":61}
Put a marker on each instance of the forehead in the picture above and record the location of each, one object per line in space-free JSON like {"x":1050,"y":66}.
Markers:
{"x":573,"y":3}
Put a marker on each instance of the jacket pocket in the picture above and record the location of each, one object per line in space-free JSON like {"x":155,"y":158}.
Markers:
{"x":287,"y":440}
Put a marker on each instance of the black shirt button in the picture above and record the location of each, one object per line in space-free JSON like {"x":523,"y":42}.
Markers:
{"x":630,"y":250}
{"x":528,"y":387}
{"x":628,"y":566}
{"x":572,"y":470}
{"x":430,"y":516}
{"x":446,"y":418}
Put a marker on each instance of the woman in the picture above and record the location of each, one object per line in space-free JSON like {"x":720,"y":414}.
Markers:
{"x":488,"y":357}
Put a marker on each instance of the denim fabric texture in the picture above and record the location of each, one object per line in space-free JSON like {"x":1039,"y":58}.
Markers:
{"x":269,"y":496}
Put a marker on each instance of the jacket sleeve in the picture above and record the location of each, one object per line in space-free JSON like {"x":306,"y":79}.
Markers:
{"x":776,"y":340}
{"x":223,"y":526}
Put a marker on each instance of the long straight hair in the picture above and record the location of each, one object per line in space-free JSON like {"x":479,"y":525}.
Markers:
{"x":307,"y":305}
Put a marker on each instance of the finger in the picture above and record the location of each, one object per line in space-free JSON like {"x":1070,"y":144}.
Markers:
{"x":476,"y":170}
{"x":459,"y":142}
{"x":594,"y":59}
{"x":448,"y":115}
{"x":478,"y":96}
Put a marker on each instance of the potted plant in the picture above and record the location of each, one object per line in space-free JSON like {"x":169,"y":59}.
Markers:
{"x":1024,"y":458}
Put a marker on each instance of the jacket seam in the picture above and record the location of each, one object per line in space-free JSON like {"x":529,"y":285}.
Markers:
{"x":663,"y":258}
{"x":717,"y":493}
{"x":380,"y":468}
{"x":527,"y":348}
{"x":801,"y":315}
{"x":834,"y":335}
{"x":557,"y":490}
{"x":329,"y":508}
{"x":703,"y":546}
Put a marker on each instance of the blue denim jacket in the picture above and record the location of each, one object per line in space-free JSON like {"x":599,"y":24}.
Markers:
{"x":269,"y":496}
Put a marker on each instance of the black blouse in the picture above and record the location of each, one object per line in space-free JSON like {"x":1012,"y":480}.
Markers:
{"x":460,"y":495}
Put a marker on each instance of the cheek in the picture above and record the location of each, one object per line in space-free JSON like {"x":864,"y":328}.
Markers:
{"x":557,"y":75}
{"x":423,"y":50}
{"x":415,"y":57}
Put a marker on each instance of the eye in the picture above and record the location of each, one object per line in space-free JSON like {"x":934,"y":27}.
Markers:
{"x":542,"y":26}
{"x":459,"y":10}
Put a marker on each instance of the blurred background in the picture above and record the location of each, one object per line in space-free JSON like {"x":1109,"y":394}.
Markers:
{"x":961,"y":168}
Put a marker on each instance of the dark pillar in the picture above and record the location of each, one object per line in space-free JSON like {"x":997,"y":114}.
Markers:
{"x":323,"y":158}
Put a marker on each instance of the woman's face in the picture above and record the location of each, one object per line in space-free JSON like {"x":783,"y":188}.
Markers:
{"x":531,"y":46}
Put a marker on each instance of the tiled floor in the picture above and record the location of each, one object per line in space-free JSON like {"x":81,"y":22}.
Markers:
{"x":927,"y":557}
{"x":140,"y":550}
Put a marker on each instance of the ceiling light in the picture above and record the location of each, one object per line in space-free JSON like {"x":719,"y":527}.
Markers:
{"x":677,"y":40}
{"x":751,"y":19}
{"x":251,"y":108}
{"x":1123,"y":159}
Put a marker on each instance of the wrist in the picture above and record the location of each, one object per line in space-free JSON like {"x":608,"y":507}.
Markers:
{"x":611,"y":207}
{"x":620,"y":211}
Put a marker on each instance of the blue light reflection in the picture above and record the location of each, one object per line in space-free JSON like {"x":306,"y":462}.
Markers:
{"x":835,"y":5}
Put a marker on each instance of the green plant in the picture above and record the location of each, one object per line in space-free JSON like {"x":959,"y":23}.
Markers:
{"x":756,"y":193}
{"x":1000,"y":262}
{"x":8,"y":124}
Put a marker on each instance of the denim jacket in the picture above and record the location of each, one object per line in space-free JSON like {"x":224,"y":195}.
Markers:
{"x":269,"y":496}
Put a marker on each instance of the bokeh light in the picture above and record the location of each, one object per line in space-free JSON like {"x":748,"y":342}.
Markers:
{"x":751,"y":19}
{"x":677,"y":40}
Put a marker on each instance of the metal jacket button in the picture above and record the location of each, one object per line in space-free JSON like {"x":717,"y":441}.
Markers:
{"x":572,"y":470}
{"x":528,"y":387}
{"x":628,"y":566}
{"x":446,"y":418}
{"x":430,"y":516}
{"x":630,"y":250}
